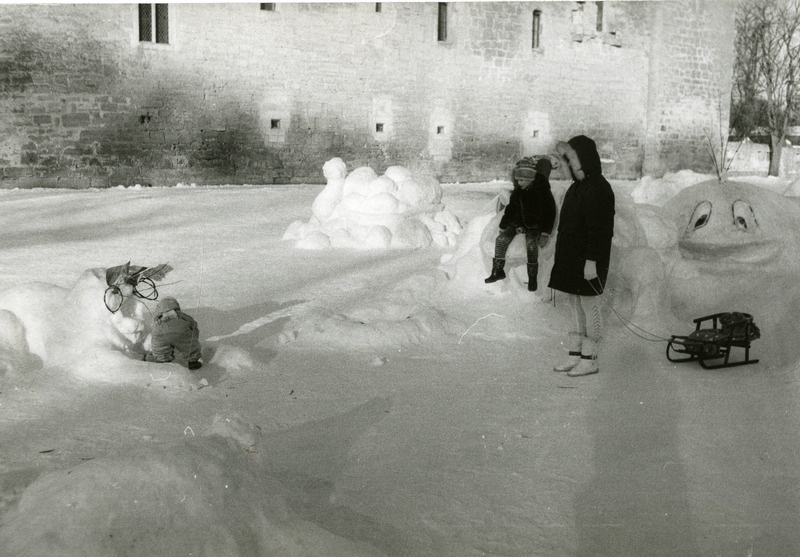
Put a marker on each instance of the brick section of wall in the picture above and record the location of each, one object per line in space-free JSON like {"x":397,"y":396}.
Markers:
{"x":242,"y":95}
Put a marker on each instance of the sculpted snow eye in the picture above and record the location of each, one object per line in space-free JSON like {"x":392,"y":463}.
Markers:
{"x":700,"y":215}
{"x":743,"y":216}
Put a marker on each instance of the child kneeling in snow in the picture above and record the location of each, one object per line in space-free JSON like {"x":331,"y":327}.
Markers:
{"x":174,"y":330}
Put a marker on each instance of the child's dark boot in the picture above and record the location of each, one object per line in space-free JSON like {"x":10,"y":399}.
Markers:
{"x":533,"y":272}
{"x":497,"y":270}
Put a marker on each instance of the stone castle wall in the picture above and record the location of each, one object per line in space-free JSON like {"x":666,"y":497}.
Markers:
{"x":245,"y":95}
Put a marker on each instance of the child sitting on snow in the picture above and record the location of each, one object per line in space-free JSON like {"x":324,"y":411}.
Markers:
{"x":174,"y":330}
{"x":530,"y":211}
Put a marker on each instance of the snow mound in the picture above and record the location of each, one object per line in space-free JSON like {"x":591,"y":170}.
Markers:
{"x":362,"y":210}
{"x":403,"y":316}
{"x":207,"y":495}
{"x":471,"y":260}
{"x":232,"y":358}
{"x":657,"y":191}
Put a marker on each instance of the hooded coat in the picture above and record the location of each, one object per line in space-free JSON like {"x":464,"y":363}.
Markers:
{"x":534,"y":207}
{"x":173,"y":330}
{"x":586,"y":223}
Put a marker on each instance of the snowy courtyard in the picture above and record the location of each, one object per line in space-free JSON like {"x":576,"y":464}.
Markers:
{"x":363,"y":392}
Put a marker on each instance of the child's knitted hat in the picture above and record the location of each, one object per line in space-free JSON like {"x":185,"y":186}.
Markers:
{"x":525,"y":169}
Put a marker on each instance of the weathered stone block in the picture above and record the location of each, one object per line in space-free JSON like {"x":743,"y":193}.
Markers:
{"x":76,"y":120}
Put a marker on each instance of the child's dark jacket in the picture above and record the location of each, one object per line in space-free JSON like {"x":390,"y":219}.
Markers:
{"x":533,"y":208}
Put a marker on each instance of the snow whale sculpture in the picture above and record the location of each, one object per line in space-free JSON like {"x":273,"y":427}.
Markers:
{"x":361,"y":210}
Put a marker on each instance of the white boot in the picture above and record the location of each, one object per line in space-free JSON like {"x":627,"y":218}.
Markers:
{"x":574,"y":347}
{"x":588,"y":364}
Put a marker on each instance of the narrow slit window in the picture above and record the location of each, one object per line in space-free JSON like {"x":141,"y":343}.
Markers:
{"x":268,"y":7}
{"x":162,"y":23}
{"x":145,"y":22}
{"x":536,"y":35}
{"x":599,"y":16}
{"x":378,"y":7}
{"x":154,"y":23}
{"x":442,"y":22}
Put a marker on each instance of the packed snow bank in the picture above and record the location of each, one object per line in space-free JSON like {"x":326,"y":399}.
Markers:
{"x":362,"y":210}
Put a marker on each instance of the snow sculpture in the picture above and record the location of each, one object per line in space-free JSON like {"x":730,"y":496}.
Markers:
{"x":43,"y":324}
{"x":714,"y":247}
{"x":362,"y":210}
{"x":62,"y":323}
{"x":335,"y":172}
{"x":735,"y":235}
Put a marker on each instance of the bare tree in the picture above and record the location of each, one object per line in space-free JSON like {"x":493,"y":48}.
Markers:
{"x":767,"y":69}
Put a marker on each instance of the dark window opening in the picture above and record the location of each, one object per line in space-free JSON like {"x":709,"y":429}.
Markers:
{"x":154,"y":24}
{"x":379,"y":128}
{"x":269,"y":7}
{"x":145,"y":22}
{"x":378,"y":7}
{"x":162,"y":23}
{"x":599,"y":16}
{"x":442,"y":23}
{"x":537,"y":29}
{"x":440,"y":130}
{"x":275,"y":124}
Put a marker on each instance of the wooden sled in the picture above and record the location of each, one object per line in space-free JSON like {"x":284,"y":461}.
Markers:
{"x":728,"y":330}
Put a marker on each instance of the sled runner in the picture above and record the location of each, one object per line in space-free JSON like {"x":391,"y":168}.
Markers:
{"x":728,"y":330}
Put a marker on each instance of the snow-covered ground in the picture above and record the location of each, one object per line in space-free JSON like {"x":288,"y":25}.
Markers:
{"x":365,"y":393}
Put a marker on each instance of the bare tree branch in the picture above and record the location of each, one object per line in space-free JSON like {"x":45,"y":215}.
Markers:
{"x":767,"y":68}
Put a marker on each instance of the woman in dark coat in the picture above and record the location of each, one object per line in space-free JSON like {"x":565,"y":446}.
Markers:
{"x":583,"y":251}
